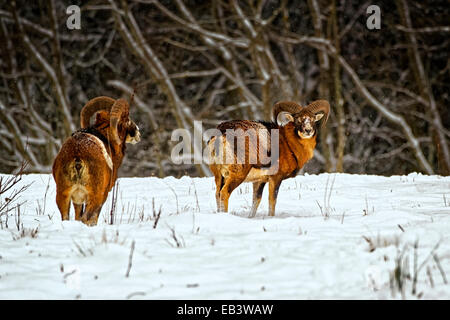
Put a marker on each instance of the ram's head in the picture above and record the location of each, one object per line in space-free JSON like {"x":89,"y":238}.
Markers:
{"x":304,"y":119}
{"x":112,"y":116}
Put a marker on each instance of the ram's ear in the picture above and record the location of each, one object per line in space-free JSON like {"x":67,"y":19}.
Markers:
{"x":284,"y":118}
{"x":320,"y":107}
{"x":319,"y":116}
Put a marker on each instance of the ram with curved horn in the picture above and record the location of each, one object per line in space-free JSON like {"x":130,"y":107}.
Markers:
{"x":86,"y":167}
{"x":292,"y":134}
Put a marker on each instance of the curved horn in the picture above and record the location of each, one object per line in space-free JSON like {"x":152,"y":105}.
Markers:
{"x":94,"y":105}
{"x":320,"y":106}
{"x":119,"y":107}
{"x":287,"y":106}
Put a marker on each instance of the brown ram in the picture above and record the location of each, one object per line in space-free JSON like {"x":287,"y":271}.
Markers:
{"x":294,"y":134}
{"x":86,"y":167}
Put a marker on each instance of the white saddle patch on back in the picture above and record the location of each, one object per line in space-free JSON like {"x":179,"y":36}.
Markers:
{"x":102,"y":146}
{"x":230,"y":148}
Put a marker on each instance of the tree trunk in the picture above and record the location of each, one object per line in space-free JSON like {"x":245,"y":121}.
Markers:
{"x":324,"y":66}
{"x":338,"y":100}
{"x":426,"y":92}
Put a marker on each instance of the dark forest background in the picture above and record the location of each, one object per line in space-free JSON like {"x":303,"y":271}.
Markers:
{"x":222,"y":60}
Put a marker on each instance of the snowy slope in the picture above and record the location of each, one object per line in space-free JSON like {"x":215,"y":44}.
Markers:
{"x":334,"y":236}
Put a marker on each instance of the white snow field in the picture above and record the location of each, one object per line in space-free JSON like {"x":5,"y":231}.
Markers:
{"x":334,"y":236}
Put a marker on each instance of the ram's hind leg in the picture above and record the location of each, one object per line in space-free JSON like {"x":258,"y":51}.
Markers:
{"x":219,"y":185}
{"x":94,"y":218}
{"x":219,"y":180}
{"x":92,"y":211}
{"x":232,"y":181}
{"x":94,"y":205}
{"x":63,"y":203}
{"x":224,"y":194}
{"x":258,"y":188}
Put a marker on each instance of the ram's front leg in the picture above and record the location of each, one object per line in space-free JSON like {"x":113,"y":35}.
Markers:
{"x":274,"y":186}
{"x":258,"y":188}
{"x":78,"y":211}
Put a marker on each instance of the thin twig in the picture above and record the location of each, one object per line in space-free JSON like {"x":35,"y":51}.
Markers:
{"x":436,"y":259}
{"x":130,"y":260}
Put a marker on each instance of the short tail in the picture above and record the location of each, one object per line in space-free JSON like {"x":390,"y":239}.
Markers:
{"x":78,"y":165}
{"x":76,"y":170}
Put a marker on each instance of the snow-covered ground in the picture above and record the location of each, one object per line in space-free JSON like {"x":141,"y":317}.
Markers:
{"x":334,"y":236}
